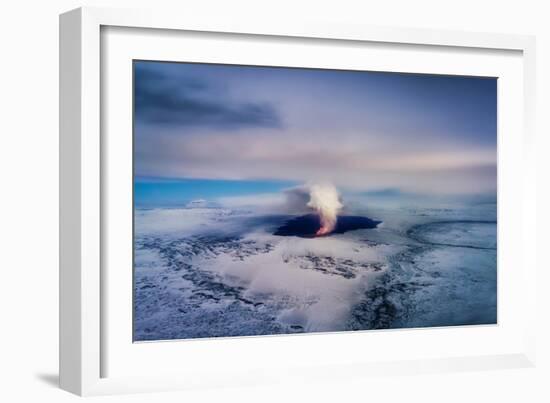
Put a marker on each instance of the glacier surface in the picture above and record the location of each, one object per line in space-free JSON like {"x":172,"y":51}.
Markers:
{"x":208,"y":271}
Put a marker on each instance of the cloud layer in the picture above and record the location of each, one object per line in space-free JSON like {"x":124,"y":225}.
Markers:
{"x":163,"y":100}
{"x":358,"y":130}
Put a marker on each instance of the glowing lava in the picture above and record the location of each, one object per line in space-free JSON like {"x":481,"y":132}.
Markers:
{"x":323,"y":231}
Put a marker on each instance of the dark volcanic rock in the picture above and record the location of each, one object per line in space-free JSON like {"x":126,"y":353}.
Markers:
{"x":307,"y":225}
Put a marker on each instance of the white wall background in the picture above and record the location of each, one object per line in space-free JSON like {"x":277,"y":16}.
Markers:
{"x":29,"y":187}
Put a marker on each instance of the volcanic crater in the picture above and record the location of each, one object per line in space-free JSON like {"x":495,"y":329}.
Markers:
{"x":306,"y":226}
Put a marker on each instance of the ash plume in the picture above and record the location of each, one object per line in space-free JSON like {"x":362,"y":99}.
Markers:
{"x":324,"y":199}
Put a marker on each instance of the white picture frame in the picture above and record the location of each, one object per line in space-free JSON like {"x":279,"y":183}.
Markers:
{"x":87,"y":318}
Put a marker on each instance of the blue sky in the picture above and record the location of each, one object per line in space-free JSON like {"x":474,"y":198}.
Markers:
{"x":219,"y":130}
{"x":171,"y":193}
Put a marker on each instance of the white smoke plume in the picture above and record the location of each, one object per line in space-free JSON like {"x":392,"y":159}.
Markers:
{"x":324,"y":199}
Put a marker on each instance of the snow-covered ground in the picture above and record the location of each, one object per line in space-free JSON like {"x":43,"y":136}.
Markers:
{"x":209,"y":271}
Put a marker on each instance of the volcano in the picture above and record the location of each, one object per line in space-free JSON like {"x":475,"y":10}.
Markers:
{"x":306,"y":226}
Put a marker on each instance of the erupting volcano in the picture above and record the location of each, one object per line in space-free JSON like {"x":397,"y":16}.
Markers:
{"x":324,"y":199}
{"x":307,"y":226}
{"x":326,"y":203}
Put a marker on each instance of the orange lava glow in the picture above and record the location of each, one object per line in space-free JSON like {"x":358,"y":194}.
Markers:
{"x":322,"y":231}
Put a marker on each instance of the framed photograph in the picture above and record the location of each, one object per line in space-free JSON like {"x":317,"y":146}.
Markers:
{"x":248,"y":202}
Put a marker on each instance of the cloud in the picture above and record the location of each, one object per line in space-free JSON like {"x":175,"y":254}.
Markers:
{"x":358,"y":130}
{"x":352,"y":162}
{"x":264,"y":202}
{"x":185,"y":101}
